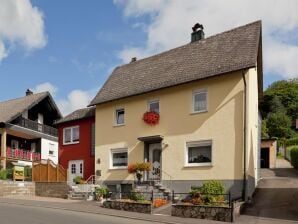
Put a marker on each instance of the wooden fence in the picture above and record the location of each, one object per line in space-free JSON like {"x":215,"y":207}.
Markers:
{"x":47,"y":171}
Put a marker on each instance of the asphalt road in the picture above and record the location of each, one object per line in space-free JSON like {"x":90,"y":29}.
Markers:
{"x":15,"y":214}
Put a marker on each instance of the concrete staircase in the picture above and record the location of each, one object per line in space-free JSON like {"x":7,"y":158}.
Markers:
{"x":81,"y":191}
{"x":158,"y":189}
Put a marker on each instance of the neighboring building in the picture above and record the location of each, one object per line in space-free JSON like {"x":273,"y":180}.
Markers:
{"x":206,"y":93}
{"x":77,"y":142}
{"x":268,"y":153}
{"x":26,"y":129}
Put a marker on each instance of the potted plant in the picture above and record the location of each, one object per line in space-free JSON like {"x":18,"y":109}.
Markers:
{"x":101,"y":193}
{"x":138,"y":168}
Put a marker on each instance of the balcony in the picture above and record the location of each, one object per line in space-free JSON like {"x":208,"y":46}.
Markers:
{"x":35,"y":126}
{"x":22,"y":154}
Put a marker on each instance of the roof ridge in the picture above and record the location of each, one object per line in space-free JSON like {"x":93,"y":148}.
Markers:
{"x":187,"y":44}
{"x":18,"y":98}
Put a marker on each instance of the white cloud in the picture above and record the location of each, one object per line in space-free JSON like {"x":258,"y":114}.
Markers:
{"x":43,"y":87}
{"x":76,"y":99}
{"x":21,"y":24}
{"x":171,"y":22}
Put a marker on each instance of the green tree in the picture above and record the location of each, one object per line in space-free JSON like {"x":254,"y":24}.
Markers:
{"x":279,"y":125}
{"x":283,"y":92}
{"x":264,"y":132}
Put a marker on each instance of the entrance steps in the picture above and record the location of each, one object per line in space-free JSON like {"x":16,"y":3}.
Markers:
{"x":156,"y":187}
{"x":81,"y":191}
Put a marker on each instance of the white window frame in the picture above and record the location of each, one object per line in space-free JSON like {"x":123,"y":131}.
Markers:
{"x":194,"y":93}
{"x":153,"y":101}
{"x":198,"y":143}
{"x":112,"y":152}
{"x":116,"y":116}
{"x":52,"y":148}
{"x":71,"y":135}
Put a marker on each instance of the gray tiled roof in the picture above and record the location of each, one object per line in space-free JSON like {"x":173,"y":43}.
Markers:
{"x":78,"y":115}
{"x":225,"y":52}
{"x":10,"y":109}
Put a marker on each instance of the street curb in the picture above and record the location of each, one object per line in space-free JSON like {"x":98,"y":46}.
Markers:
{"x":99,"y":213}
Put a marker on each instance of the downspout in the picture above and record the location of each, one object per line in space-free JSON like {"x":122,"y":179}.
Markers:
{"x":244,"y":139}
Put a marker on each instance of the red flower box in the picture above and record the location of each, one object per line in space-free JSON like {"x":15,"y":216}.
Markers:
{"x":151,"y":117}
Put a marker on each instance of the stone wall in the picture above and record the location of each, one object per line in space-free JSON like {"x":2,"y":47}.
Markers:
{"x":52,"y":189}
{"x":203,"y":212}
{"x":11,"y":188}
{"x":129,"y":206}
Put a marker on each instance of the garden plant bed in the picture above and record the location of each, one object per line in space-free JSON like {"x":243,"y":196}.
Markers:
{"x":129,"y":205}
{"x":218,"y":213}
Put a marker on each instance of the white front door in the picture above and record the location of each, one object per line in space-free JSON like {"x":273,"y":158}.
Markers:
{"x":155,"y":160}
{"x":75,"y":168}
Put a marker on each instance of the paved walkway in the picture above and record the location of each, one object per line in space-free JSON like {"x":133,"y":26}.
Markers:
{"x":276,"y":197}
{"x":94,"y":208}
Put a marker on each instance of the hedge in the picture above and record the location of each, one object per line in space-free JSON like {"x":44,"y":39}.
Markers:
{"x":292,"y":141}
{"x":294,"y":156}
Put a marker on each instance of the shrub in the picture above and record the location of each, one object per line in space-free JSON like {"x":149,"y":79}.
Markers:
{"x":213,"y":187}
{"x":102,"y":191}
{"x":292,"y":141}
{"x":77,"y":180}
{"x":294,"y":156}
{"x":28,"y":172}
{"x":3,"y":174}
{"x":9,"y":173}
{"x":212,"y":192}
{"x":136,"y":196}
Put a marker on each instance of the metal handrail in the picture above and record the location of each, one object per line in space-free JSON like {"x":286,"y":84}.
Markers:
{"x":91,"y":179}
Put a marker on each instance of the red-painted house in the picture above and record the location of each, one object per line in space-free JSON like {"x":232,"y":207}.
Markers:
{"x":77,"y":143}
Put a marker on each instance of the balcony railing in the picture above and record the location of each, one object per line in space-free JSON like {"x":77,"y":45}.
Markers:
{"x":22,"y":154}
{"x":33,"y":125}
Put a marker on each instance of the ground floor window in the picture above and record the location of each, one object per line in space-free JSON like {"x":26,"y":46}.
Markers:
{"x":119,"y":158}
{"x":199,"y":153}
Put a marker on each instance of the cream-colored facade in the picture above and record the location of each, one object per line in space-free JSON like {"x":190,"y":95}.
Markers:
{"x":222,"y":125}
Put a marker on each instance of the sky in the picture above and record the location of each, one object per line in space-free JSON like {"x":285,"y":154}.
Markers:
{"x":69,"y":48}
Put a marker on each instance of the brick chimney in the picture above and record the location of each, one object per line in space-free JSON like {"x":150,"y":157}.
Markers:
{"x":198,"y":33}
{"x":29,"y":92}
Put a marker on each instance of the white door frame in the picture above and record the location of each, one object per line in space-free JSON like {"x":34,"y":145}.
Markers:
{"x":78,"y":172}
{"x":155,"y":173}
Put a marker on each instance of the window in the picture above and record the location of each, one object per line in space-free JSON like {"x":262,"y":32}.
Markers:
{"x":199,"y":101}
{"x":73,"y":168}
{"x":51,"y":149}
{"x":119,"y":158}
{"x":120,"y":116}
{"x":92,"y":139}
{"x":199,"y":153}
{"x":153,"y":105}
{"x":81,"y":168}
{"x":71,"y":135}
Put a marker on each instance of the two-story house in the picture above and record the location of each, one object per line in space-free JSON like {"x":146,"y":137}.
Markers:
{"x":27,"y":129}
{"x":206,"y":96}
{"x":77,"y":143}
